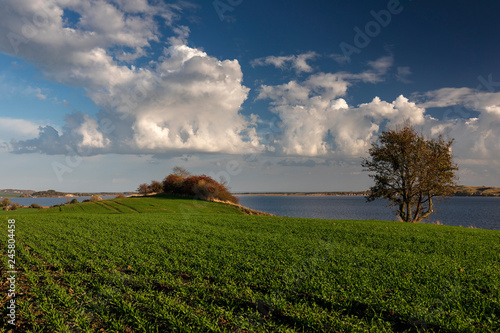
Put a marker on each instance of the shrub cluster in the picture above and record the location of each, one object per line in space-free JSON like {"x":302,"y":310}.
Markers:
{"x":200,"y":187}
{"x":183,"y":183}
{"x":5,"y":202}
{"x":13,"y":206}
{"x":154,"y":187}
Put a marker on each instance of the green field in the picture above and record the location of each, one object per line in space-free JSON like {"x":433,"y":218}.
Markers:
{"x":159,"y":264}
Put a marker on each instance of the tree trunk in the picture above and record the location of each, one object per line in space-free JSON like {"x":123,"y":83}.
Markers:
{"x":428,"y":212}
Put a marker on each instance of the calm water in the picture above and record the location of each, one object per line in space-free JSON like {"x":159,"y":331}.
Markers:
{"x":480,"y":212}
{"x":45,"y":202}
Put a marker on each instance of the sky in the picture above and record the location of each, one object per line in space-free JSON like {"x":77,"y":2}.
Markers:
{"x":102,"y":95}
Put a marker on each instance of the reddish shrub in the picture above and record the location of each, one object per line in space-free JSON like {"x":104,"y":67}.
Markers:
{"x":173,"y":184}
{"x":199,"y":187}
{"x":156,"y":186}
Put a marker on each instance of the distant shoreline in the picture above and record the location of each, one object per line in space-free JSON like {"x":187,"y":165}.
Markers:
{"x":324,"y":194}
{"x":458,"y":191}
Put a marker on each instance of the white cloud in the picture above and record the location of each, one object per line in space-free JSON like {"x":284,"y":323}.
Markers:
{"x":11,"y":128}
{"x":403,"y":73}
{"x":317,"y":121}
{"x":39,"y":94}
{"x":339,"y":58}
{"x":91,"y":136}
{"x":476,"y":137}
{"x":382,"y":65}
{"x":296,"y":62}
{"x":189,"y":101}
{"x":186,"y":101}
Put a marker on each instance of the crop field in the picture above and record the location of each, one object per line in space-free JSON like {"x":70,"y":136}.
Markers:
{"x":158,"y":264}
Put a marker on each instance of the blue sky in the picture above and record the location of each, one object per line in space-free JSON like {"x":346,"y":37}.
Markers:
{"x":271,"y":95}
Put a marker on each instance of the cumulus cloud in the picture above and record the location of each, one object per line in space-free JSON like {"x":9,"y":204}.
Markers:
{"x":317,"y":121}
{"x":185,"y":100}
{"x":477,"y":137}
{"x":296,"y":62}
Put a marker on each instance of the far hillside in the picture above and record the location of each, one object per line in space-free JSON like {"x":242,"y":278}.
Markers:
{"x":477,"y":191}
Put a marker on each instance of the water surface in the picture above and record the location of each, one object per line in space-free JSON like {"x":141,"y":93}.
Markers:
{"x":479,"y":212}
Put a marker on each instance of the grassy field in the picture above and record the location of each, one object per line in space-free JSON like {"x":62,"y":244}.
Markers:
{"x":176,"y":265}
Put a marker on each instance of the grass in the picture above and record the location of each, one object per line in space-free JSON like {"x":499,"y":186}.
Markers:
{"x":160,"y":264}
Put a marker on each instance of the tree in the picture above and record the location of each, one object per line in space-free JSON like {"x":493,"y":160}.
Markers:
{"x":180,"y":171}
{"x":410,"y":170}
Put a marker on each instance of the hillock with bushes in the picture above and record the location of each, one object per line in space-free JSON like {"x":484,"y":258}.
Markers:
{"x":183,"y":183}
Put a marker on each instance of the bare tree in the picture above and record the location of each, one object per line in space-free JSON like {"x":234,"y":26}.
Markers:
{"x":410,"y":170}
{"x":180,"y":171}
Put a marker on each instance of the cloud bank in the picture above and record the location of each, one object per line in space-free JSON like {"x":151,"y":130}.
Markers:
{"x":159,"y":95}
{"x":183,"y":100}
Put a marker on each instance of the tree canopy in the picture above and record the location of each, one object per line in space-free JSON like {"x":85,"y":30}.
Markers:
{"x":410,"y":170}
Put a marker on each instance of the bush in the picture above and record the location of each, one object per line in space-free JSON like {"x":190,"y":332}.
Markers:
{"x":35,"y":205}
{"x":5,"y":202}
{"x":74,"y":201}
{"x":227,"y":196}
{"x":173,"y":184}
{"x":120,"y":196}
{"x":14,"y":206}
{"x":199,"y":187}
{"x":156,"y":187}
{"x":95,"y":198}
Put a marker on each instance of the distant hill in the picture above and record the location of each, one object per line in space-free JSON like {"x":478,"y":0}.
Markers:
{"x":13,"y":193}
{"x":480,"y":191}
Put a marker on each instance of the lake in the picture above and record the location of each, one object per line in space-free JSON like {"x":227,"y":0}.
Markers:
{"x":479,"y":212}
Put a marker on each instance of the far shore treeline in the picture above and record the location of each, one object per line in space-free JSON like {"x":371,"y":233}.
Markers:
{"x":459,"y":191}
